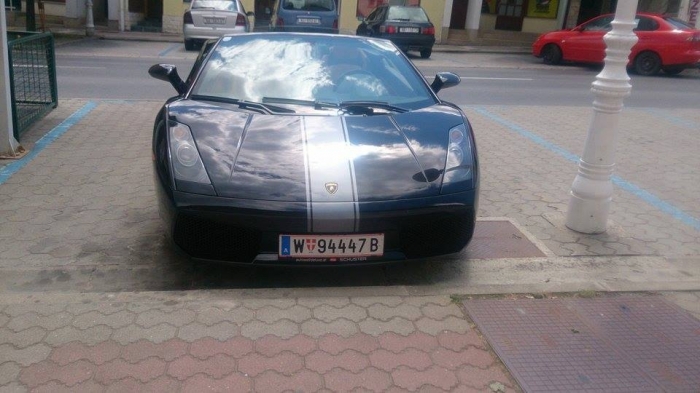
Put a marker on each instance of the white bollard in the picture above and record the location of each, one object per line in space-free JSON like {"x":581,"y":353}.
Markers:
{"x":592,"y":189}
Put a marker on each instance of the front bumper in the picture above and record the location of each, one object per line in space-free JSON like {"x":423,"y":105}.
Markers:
{"x":247,"y":231}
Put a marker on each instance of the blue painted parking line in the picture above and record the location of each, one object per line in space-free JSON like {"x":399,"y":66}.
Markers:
{"x":169,"y":49}
{"x":673,"y":119}
{"x":635,"y":190}
{"x":45,"y":141}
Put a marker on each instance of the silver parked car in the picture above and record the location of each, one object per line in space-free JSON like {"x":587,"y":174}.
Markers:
{"x":207,"y":19}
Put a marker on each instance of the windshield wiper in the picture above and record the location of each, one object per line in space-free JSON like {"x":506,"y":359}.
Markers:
{"x":351,"y":106}
{"x":348,"y":106}
{"x":292,"y":101}
{"x":243,"y":104}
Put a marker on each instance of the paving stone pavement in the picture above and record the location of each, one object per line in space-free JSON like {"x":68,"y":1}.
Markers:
{"x":86,"y":204}
{"x":213,"y":341}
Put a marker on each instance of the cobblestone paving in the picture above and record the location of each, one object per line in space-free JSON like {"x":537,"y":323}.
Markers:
{"x":88,"y":199}
{"x":529,"y":183}
{"x":163,"y":343}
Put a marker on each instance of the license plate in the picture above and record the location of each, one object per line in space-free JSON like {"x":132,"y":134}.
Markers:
{"x":409,"y":30}
{"x":214,"y":21}
{"x":309,"y":21}
{"x":331,"y":246}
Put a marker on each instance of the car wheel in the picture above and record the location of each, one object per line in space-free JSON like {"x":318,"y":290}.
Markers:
{"x":647,"y":63}
{"x":425,"y":53}
{"x":189,"y":45}
{"x":673,"y":70}
{"x":551,"y":54}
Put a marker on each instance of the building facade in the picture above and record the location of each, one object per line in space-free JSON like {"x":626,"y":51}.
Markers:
{"x":471,"y":18}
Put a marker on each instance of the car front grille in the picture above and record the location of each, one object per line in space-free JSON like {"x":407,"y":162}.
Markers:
{"x":435,"y":235}
{"x":205,"y":238}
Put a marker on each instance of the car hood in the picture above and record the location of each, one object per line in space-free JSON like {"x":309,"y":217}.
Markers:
{"x":319,"y":157}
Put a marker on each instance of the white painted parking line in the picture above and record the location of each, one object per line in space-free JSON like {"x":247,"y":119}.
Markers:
{"x":498,"y":79}
{"x":83,"y":67}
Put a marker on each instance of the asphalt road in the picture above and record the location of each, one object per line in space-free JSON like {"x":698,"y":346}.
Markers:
{"x":104,"y":69}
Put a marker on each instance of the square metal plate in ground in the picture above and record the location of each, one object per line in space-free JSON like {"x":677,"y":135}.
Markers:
{"x":613,"y":343}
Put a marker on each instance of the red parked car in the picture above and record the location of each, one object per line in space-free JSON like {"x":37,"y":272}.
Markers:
{"x":665,"y":43}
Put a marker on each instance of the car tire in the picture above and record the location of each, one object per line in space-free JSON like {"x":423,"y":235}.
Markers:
{"x":189,"y":45}
{"x":647,"y":63}
{"x":425,"y":53}
{"x":551,"y":54}
{"x":673,"y":70}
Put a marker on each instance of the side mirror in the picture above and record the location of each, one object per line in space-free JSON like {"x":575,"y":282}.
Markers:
{"x":168,"y":73}
{"x":443,"y":80}
{"x":250,"y":13}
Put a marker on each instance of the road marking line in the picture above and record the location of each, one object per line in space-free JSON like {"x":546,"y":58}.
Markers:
{"x":497,"y":79}
{"x":169,"y":49}
{"x":45,"y":141}
{"x":83,"y":67}
{"x":673,"y":119}
{"x":635,"y":190}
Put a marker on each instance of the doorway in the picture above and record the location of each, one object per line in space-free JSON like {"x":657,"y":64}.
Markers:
{"x":592,"y":8}
{"x":263,"y":13}
{"x":510,"y":14}
{"x":459,"y":14}
{"x":100,"y":12}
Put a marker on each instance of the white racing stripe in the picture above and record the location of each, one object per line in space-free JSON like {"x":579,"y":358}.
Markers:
{"x":330,"y":180}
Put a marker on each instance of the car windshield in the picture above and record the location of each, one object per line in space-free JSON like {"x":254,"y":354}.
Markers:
{"x":678,"y":24}
{"x":311,"y":68}
{"x":223,"y":5}
{"x":412,"y":14}
{"x":309,"y":5}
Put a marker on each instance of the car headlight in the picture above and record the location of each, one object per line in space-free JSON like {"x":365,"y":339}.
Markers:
{"x":459,"y":165}
{"x":187,"y":163}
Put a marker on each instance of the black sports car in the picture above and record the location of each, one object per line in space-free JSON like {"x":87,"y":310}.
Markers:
{"x":286,"y":148}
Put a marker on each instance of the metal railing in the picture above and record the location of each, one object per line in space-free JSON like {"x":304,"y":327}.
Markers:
{"x":33,"y":85}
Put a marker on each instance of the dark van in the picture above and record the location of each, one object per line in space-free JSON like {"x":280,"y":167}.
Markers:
{"x":309,"y":16}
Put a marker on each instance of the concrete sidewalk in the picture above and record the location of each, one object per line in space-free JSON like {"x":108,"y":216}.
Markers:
{"x":95,"y":299}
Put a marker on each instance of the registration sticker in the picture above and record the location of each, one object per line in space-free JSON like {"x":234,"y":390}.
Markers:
{"x":331,"y":246}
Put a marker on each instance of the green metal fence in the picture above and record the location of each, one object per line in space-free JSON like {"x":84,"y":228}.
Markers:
{"x":33,"y":86}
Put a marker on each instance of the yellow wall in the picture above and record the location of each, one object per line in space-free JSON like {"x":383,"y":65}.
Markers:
{"x":174,"y":7}
{"x":348,"y":21}
{"x":435,"y":10}
{"x":538,"y":25}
